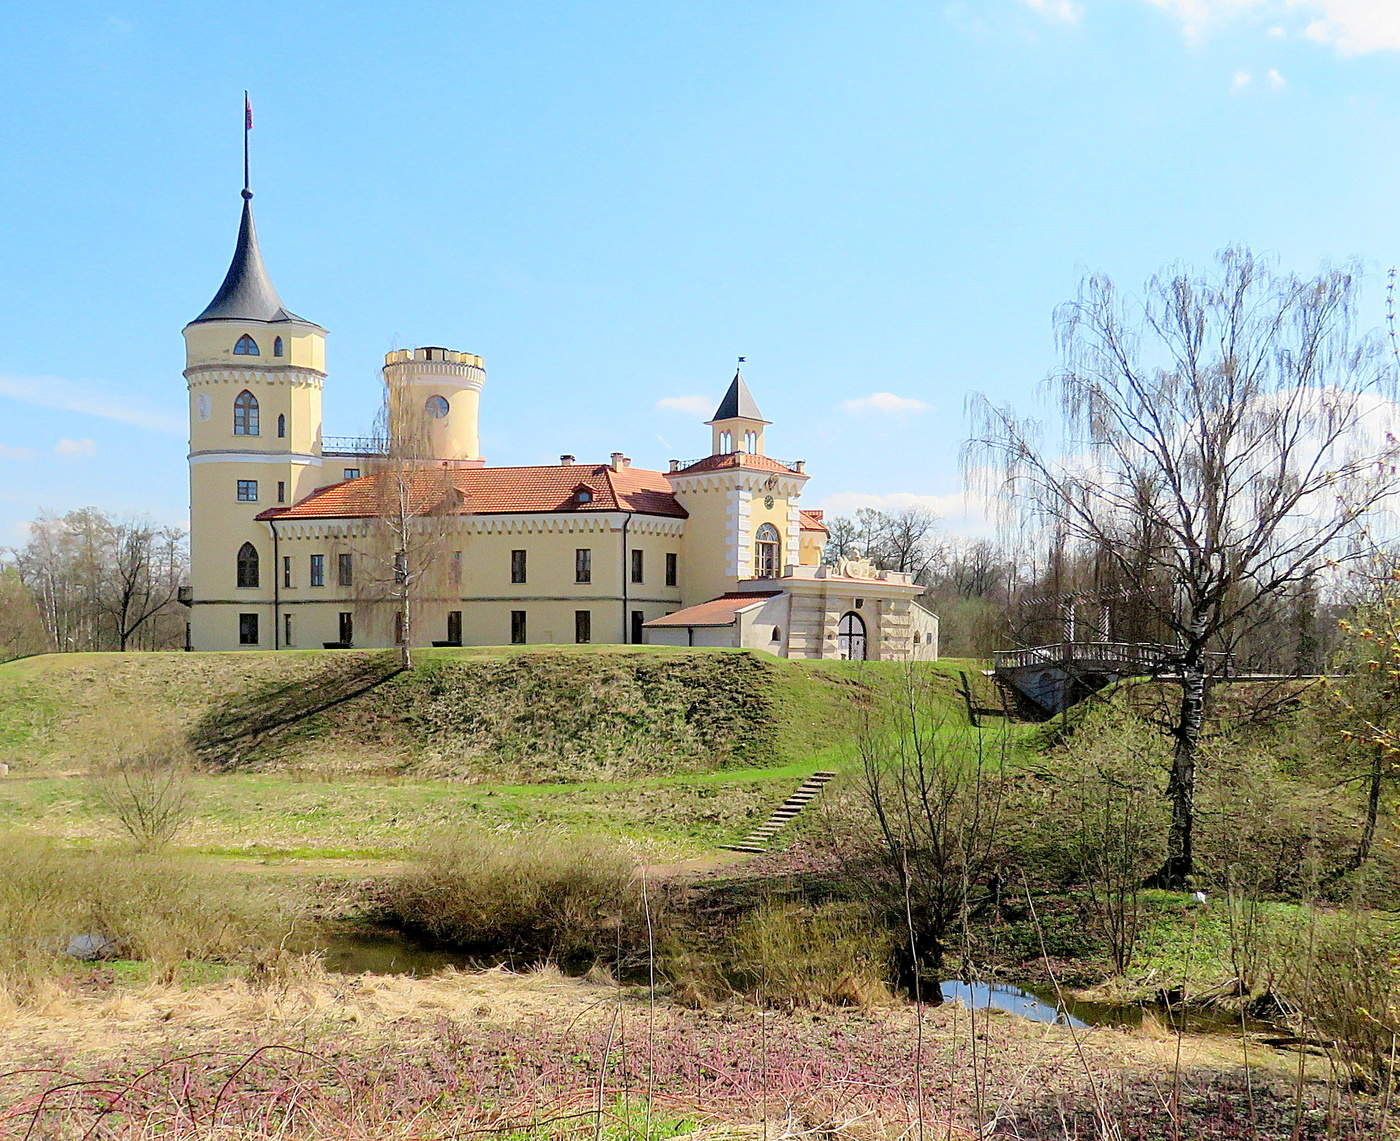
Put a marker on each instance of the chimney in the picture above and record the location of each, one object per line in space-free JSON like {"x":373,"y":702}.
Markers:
{"x":800,"y":466}
{"x":566,"y":459}
{"x":619,"y":461}
{"x":675,"y":465}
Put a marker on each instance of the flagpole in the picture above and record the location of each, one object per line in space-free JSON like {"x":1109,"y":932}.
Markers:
{"x":247,"y":115}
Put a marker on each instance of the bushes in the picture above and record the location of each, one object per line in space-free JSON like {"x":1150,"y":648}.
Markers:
{"x":547,"y":898}
{"x":787,"y":956}
{"x":154,"y":908}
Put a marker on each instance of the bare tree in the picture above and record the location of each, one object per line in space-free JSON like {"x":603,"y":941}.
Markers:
{"x":937,"y":799}
{"x":401,"y":549}
{"x":148,"y":792}
{"x":1231,"y":420}
{"x":101,"y":583}
{"x":899,"y":540}
{"x":145,"y":568}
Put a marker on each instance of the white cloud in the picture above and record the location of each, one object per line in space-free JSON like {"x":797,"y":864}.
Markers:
{"x":1240,"y":81}
{"x":1352,"y":27}
{"x":83,"y":447}
{"x":10,"y":453}
{"x":1275,"y":78}
{"x":88,"y":400}
{"x":1066,"y":11}
{"x":886,"y":402}
{"x":690,"y":405}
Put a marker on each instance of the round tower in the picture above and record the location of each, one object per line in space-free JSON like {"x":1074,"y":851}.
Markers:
{"x":435,"y":397}
{"x":254,"y":372}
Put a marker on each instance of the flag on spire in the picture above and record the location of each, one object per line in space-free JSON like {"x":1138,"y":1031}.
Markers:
{"x":247,"y":113}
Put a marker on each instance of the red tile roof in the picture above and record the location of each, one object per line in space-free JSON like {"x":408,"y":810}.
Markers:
{"x":739,"y":460}
{"x":721,"y":611}
{"x":499,"y":491}
{"x":812,"y":521}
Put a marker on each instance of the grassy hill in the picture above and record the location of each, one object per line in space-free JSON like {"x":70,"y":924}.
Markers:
{"x":521,"y":715}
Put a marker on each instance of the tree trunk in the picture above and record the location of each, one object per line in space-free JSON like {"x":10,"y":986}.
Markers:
{"x":1181,"y":786}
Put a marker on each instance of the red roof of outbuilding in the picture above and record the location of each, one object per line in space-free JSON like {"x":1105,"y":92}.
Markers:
{"x":498,"y":491}
{"x":812,"y":521}
{"x":719,"y":611}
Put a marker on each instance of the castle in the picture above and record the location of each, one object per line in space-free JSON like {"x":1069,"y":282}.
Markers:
{"x":715,"y":552}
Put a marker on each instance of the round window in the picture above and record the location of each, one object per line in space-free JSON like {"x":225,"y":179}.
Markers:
{"x":437,"y":407}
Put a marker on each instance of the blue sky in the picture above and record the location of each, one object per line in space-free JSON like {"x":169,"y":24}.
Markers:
{"x":610,"y":201}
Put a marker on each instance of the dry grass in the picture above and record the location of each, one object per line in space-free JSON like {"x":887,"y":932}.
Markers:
{"x":534,"y":898}
{"x":377,"y":1057}
{"x":160,"y":909}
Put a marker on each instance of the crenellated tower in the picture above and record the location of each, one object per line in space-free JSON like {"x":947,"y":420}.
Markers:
{"x":254,"y":372}
{"x":440,"y":390}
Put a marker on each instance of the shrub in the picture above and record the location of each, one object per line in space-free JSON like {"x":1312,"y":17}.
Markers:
{"x":787,"y":956}
{"x":1340,"y":974}
{"x":159,"y":909}
{"x":147,"y":792}
{"x":534,"y":899}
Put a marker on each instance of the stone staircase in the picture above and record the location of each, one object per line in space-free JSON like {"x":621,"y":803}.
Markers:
{"x":807,"y":791}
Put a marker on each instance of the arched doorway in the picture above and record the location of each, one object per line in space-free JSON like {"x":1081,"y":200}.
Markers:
{"x":850,"y":637}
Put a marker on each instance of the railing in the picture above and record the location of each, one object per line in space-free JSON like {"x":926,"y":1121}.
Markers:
{"x":791,"y":465}
{"x":353,"y":445}
{"x":1142,"y":657}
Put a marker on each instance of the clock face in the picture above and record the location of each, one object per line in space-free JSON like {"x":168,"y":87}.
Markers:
{"x":203,"y":407}
{"x":768,"y":502}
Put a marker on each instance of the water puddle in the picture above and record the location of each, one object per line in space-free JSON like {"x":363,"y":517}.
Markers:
{"x":1012,"y":999}
{"x":386,"y":953}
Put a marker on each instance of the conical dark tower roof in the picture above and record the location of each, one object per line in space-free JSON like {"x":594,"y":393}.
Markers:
{"x":738,"y":402}
{"x":247,"y":293}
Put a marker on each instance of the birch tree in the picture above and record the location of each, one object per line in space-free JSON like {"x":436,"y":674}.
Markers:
{"x":402,"y":549}
{"x":1235,"y":421}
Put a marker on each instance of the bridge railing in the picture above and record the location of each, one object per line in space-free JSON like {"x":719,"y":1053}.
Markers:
{"x":1143,"y":657}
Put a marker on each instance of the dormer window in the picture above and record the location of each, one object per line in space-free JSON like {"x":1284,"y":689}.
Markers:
{"x":277,"y":346}
{"x":583,"y":495}
{"x":246,"y":347}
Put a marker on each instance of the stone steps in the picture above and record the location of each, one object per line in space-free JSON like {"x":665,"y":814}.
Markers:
{"x":784,"y":814}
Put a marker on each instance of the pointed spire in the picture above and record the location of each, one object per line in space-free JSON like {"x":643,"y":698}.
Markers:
{"x":738,"y":402}
{"x":247,"y":293}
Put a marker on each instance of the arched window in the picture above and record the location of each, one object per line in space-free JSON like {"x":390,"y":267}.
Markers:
{"x":437,"y":407}
{"x":247,"y":565}
{"x":245,"y":414}
{"x":726,"y":443}
{"x":246,"y":347}
{"x":850,"y":637}
{"x":751,"y":442}
{"x":767,"y":552}
{"x":281,"y":426}
{"x":277,"y":346}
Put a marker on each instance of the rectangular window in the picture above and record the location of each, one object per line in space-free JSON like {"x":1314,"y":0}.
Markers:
{"x":286,"y":629}
{"x":247,"y":629}
{"x":398,"y":627}
{"x":637,"y":566}
{"x":318,"y":570}
{"x":637,"y":620}
{"x":352,"y":473}
{"x":345,"y":570}
{"x":517,"y":627}
{"x":281,"y":491}
{"x":517,"y":566}
{"x":287,"y":570}
{"x":454,"y":627}
{"x":672,"y":569}
{"x":456,"y":567}
{"x":583,"y":626}
{"x":583,"y":565}
{"x":347,"y":628}
{"x":247,"y":491}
